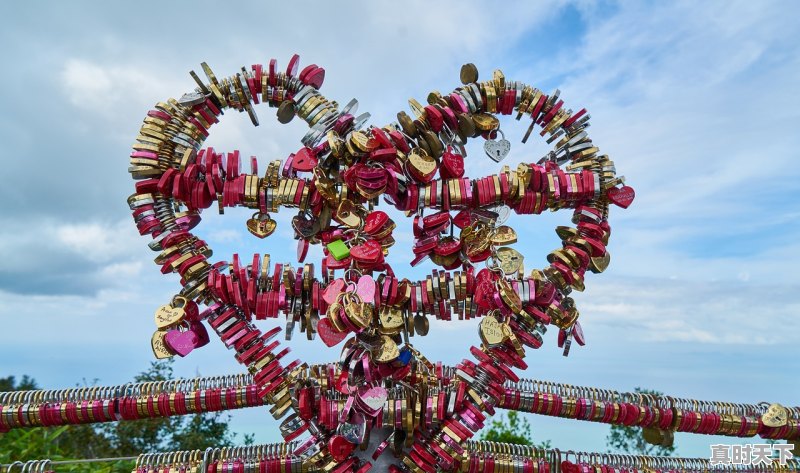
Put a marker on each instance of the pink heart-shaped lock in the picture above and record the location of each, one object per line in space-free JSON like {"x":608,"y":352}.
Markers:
{"x":331,"y":293}
{"x":201,"y":332}
{"x":366,"y":289}
{"x":180,"y":343}
{"x":372,"y":398}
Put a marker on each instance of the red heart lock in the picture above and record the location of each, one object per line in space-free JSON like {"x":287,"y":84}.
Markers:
{"x":447,"y":247}
{"x":477,"y":258}
{"x":577,"y":332}
{"x":343,"y":123}
{"x":328,"y":334}
{"x":303,"y":74}
{"x":452,"y":165}
{"x":383,"y":154}
{"x":304,"y":160}
{"x":201,"y":332}
{"x":305,"y":403}
{"x":562,"y":337}
{"x":391,"y":182}
{"x":375,"y":221}
{"x":315,"y":77}
{"x":294,"y":65}
{"x":435,"y":220}
{"x":192,"y":311}
{"x":350,"y":176}
{"x":370,"y":174}
{"x":368,"y":252}
{"x":463,"y":219}
{"x":484,"y":289}
{"x":382,"y":138}
{"x":340,"y":448}
{"x":332,"y":291}
{"x":425,"y":245}
{"x":333,"y":263}
{"x":622,"y":196}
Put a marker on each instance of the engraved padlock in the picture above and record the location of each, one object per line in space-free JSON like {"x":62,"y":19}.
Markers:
{"x":497,"y":149}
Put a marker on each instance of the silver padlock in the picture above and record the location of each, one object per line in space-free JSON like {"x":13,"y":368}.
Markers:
{"x":497,"y":149}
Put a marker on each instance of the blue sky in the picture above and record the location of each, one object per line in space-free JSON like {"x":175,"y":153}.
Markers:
{"x":696,"y":102}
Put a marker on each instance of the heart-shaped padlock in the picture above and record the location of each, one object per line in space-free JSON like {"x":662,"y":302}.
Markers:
{"x":181,"y":342}
{"x":261,"y":225}
{"x":497,"y":149}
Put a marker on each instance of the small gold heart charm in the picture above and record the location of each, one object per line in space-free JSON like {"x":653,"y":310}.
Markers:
{"x":509,"y":259}
{"x":491,"y":331}
{"x":261,"y":225}
{"x":599,"y":264}
{"x":387,"y":351}
{"x":653,"y":435}
{"x":168,"y":316}
{"x":475,"y":240}
{"x":359,"y":314}
{"x":776,"y":416}
{"x":391,"y":320}
{"x":160,"y":350}
{"x":422,"y":164}
{"x":504,"y":235}
{"x":346,"y":214}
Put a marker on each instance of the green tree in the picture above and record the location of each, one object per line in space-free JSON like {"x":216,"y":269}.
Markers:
{"x":10,"y":384}
{"x":511,"y":428}
{"x":171,"y":433}
{"x":128,"y":438}
{"x":629,"y":440}
{"x":56,"y":443}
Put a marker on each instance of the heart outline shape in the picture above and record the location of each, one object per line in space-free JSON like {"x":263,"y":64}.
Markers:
{"x":310,"y":77}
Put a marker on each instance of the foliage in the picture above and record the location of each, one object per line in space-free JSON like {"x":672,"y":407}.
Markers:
{"x":629,"y":440}
{"x":511,"y":428}
{"x":115,"y":439}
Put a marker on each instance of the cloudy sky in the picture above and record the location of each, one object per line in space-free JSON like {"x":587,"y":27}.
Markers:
{"x":696,"y":102}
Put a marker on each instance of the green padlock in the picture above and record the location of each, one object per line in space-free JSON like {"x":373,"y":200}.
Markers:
{"x":339,"y":250}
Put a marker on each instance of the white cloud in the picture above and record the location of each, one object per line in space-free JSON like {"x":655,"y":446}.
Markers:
{"x":98,"y":242}
{"x":125,"y":271}
{"x":99,"y":88}
{"x":697,"y":105}
{"x":671,"y":91}
{"x":48,"y":257}
{"x":225,"y":235}
{"x":723,"y":312}
{"x":88,"y":83}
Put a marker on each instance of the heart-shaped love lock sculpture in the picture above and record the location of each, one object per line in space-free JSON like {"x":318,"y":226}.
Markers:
{"x":353,"y":297}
